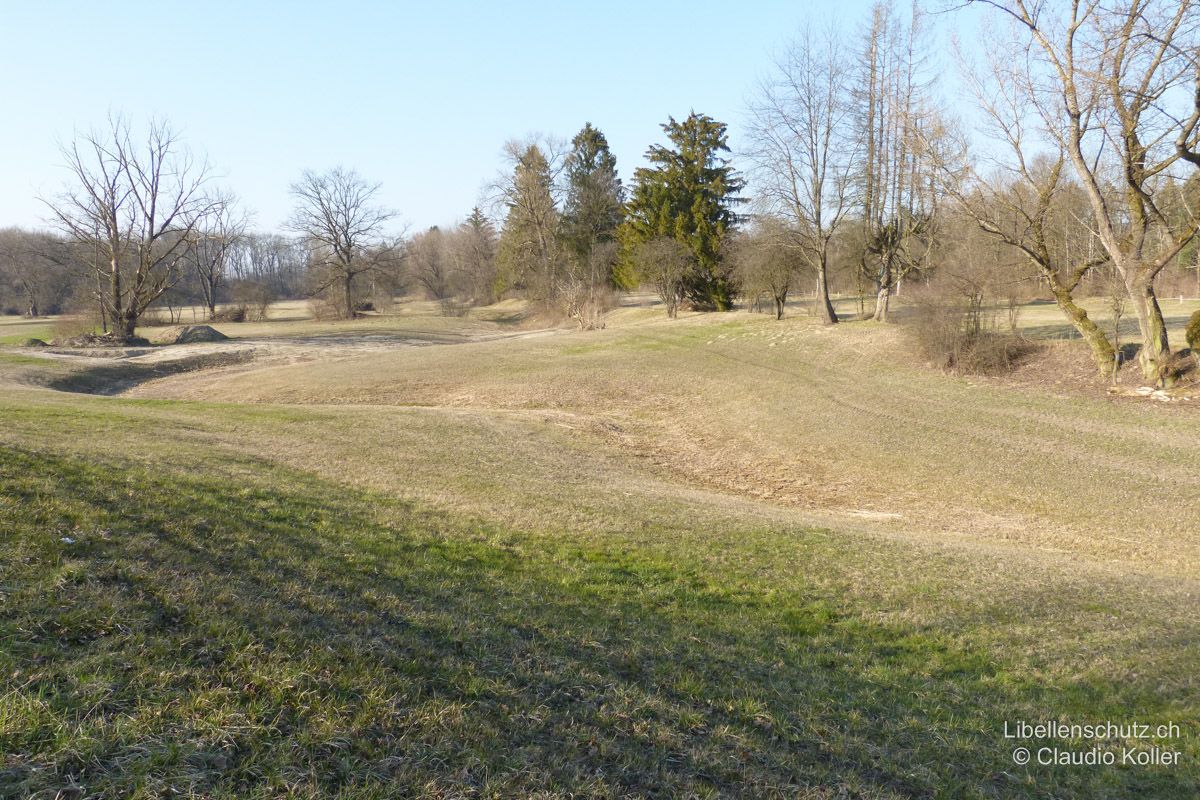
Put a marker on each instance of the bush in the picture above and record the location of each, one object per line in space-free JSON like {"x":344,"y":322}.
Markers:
{"x":235,"y":313}
{"x":255,"y":298}
{"x":1192,"y":332}
{"x":953,"y":336}
{"x":1176,"y":367}
{"x":324,"y":309}
{"x":74,"y":325}
{"x":452,"y":307}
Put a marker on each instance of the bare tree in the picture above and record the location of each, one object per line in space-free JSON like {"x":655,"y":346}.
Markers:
{"x":804,"y":150}
{"x":585,"y":289}
{"x":343,"y":229}
{"x":429,"y":263}
{"x":214,"y":246}
{"x":1107,"y":81}
{"x":1187,"y":143}
{"x":529,"y":253}
{"x":275,"y":260}
{"x":667,"y":264}
{"x":1025,"y":197}
{"x":137,"y":203}
{"x":765,"y":264}
{"x":474,"y":253}
{"x":39,"y":268}
{"x":899,"y":133}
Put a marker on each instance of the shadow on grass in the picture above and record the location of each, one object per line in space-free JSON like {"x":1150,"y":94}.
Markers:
{"x":113,"y":378}
{"x":1129,"y":326}
{"x":230,"y":641}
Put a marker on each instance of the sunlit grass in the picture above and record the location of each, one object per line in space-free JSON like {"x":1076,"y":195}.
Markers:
{"x":172,"y":631}
{"x":632,"y":562}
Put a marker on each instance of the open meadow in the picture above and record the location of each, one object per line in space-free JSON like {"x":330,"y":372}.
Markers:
{"x":619,"y":402}
{"x":471,"y":557}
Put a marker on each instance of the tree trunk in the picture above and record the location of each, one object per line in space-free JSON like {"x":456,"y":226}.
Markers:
{"x":100,"y":304}
{"x":1102,"y":349}
{"x":115,"y":283}
{"x":882,"y":301}
{"x":885,"y":295}
{"x":348,"y":297}
{"x":780,"y":301}
{"x":1155,"y":346}
{"x":212,"y":310}
{"x":125,"y":325}
{"x":825,"y":312}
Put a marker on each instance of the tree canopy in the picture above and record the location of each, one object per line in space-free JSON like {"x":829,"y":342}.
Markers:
{"x":689,"y":195}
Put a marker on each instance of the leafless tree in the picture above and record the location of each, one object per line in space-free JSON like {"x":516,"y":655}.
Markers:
{"x":1108,"y":80}
{"x":343,"y":229}
{"x":474,"y":252}
{"x":666,"y":263}
{"x":585,"y":291}
{"x":214,"y":245}
{"x":529,"y":194}
{"x":429,"y":264}
{"x":1186,"y":143}
{"x":137,"y":204}
{"x":37,"y":267}
{"x":899,"y":133}
{"x":804,"y":149}
{"x":275,"y":260}
{"x":765,"y":264}
{"x":1023,"y":195}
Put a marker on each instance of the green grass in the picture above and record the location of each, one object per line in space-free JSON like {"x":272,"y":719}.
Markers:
{"x":20,"y":360}
{"x":30,"y":332}
{"x":481,"y":570}
{"x":256,"y":642}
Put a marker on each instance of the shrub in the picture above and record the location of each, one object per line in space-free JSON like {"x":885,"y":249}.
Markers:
{"x":954,"y":335}
{"x":452,"y":307}
{"x":1192,"y":332}
{"x":324,"y":309}
{"x":255,"y":298}
{"x":234,"y":313}
{"x":74,"y":325}
{"x":1175,"y":367}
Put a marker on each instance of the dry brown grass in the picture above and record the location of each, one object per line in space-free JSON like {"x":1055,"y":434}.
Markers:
{"x":995,"y":531}
{"x":832,"y":420}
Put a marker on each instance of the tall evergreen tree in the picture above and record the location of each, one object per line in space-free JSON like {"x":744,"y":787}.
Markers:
{"x":476,"y":254}
{"x":689,"y":195}
{"x":528,"y":254}
{"x":592,"y":210}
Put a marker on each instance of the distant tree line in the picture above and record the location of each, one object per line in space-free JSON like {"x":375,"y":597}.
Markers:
{"x":1079,"y":175}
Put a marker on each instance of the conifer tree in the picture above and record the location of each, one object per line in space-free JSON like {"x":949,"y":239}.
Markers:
{"x":688,"y":194}
{"x":529,"y":253}
{"x":592,"y":210}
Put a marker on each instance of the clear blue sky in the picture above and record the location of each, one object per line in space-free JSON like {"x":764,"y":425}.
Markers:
{"x":417,"y":96}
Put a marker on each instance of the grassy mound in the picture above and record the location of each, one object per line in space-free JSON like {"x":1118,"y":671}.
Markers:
{"x":190,"y":334}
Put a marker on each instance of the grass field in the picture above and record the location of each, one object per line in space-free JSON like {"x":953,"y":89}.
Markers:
{"x":712,"y":557}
